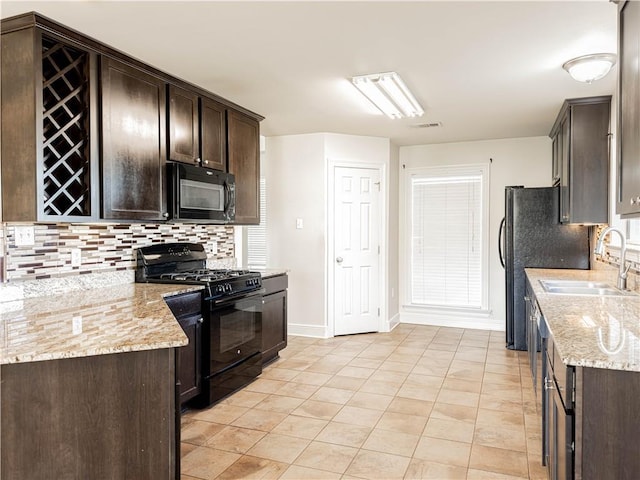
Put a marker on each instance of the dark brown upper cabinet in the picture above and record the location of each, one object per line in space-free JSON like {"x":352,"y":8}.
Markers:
{"x":580,"y":152}
{"x":628,"y":121}
{"x":244,"y":162}
{"x":133,"y":143}
{"x":49,"y":130}
{"x":196,"y":129}
{"x":84,"y":130}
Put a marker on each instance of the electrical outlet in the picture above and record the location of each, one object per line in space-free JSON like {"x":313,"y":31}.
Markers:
{"x":76,"y":257}
{"x":76,"y":325}
{"x":24,"y":235}
{"x":299,"y":223}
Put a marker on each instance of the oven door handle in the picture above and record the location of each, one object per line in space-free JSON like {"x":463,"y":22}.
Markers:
{"x":241,"y":296}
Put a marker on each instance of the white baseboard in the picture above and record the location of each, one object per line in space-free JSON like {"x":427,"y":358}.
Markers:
{"x":393,"y":322}
{"x":302,"y":330}
{"x":444,"y":320}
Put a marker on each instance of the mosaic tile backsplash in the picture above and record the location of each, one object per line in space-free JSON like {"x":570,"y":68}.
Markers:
{"x":104,"y":247}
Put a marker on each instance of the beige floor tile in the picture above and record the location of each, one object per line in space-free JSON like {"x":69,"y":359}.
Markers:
{"x":376,"y":465}
{"x":221,"y":413}
{"x":443,"y":451}
{"x":365,"y":362}
{"x":356,"y":372}
{"x":248,"y":467}
{"x":345,"y":383}
{"x":277,"y":373}
{"x":455,"y":430}
{"x":454,"y":397}
{"x":424,"y":470}
{"x":279,"y":403}
{"x":332,"y":395}
{"x":311,"y":378}
{"x":296,"y":472}
{"x":245,"y":398}
{"x":297,"y":390}
{"x":327,"y":456}
{"x":207,"y":463}
{"x":380,"y":386}
{"x":265,"y":385}
{"x":409,"y":403}
{"x":410,"y":406}
{"x":392,"y":366}
{"x":186,"y":448}
{"x":281,"y":448}
{"x":373,"y":401}
{"x":198,"y":432}
{"x":511,"y":438}
{"x":400,"y":422}
{"x":303,"y":427}
{"x":344,"y":434}
{"x":499,"y":460}
{"x":500,"y":418}
{"x":364,"y":417}
{"x":393,"y":442}
{"x":235,"y":439}
{"x":259,"y":420}
{"x":315,"y":409}
{"x":418,"y":392}
{"x":461,"y":385}
{"x":492,"y":402}
{"x":430,"y":381}
{"x":188,"y":477}
{"x":447,"y":411}
{"x":482,"y":475}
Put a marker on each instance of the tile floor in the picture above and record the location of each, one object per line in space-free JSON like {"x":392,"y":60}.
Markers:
{"x":420,"y":402}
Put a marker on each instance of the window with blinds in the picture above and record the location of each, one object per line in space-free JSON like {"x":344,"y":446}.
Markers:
{"x":257,"y":234}
{"x":448,"y":242}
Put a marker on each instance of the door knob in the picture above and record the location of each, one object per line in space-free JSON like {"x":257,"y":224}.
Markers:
{"x":339,"y":259}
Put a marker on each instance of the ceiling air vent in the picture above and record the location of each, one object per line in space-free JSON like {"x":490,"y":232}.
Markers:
{"x":428,"y":125}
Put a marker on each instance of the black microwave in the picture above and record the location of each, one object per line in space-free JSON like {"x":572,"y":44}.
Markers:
{"x":201,"y":195}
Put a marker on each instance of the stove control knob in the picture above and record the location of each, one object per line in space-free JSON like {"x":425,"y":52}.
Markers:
{"x":219,"y":289}
{"x":227,"y":287}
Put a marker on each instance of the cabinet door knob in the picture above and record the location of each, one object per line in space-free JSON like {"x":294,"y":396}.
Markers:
{"x":165,"y":215}
{"x":197,"y":160}
{"x":206,"y":162}
{"x":201,"y":320}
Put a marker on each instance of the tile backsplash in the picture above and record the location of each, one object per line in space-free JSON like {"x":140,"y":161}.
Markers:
{"x":103,"y":247}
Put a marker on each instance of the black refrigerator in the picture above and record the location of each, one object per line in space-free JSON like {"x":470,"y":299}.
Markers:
{"x":532,"y":237}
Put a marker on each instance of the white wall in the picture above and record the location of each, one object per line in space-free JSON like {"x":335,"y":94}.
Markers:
{"x":296,"y":170}
{"x":519,"y":161}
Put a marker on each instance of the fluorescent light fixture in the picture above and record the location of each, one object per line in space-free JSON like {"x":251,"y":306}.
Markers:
{"x":590,"y":68}
{"x":389,"y":94}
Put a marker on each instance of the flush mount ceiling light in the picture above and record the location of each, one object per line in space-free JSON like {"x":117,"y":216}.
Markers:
{"x":388,"y":92}
{"x":590,"y":68}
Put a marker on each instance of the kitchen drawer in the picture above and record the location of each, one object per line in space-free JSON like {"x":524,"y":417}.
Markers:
{"x":275,"y":284}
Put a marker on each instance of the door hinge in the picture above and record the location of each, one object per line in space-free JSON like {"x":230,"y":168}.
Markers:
{"x":378,"y":184}
{"x":378,"y":311}
{"x":378,"y":249}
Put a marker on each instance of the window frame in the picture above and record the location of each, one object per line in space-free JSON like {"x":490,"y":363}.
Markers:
{"x":483,"y":169}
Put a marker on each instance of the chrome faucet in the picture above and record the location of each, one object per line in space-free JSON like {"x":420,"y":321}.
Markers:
{"x":624,"y":269}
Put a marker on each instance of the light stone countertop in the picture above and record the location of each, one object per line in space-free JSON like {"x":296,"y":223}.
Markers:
{"x":123,"y":318}
{"x":590,"y":331}
{"x":271,"y":272}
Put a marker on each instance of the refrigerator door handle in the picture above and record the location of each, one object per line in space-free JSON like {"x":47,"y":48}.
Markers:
{"x":500,"y":233}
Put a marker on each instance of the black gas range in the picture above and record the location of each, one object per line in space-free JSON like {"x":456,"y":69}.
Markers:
{"x":231,"y":314}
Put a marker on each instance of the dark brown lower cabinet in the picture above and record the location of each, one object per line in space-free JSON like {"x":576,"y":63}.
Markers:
{"x":101,"y":417}
{"x":274,"y":317}
{"x":187,"y":308}
{"x":591,"y":424}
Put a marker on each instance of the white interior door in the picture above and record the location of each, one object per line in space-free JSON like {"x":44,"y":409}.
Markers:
{"x":356,"y":250}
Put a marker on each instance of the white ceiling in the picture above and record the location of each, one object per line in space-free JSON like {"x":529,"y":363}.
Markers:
{"x":484,"y":69}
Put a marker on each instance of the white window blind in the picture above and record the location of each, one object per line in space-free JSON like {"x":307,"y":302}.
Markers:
{"x":257,"y":234}
{"x":447,"y":239}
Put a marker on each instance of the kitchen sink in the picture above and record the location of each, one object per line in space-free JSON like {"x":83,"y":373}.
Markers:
{"x":577,"y":287}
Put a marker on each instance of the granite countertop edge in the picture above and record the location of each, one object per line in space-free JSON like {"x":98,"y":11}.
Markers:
{"x":590,"y":331}
{"x":116,"y":319}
